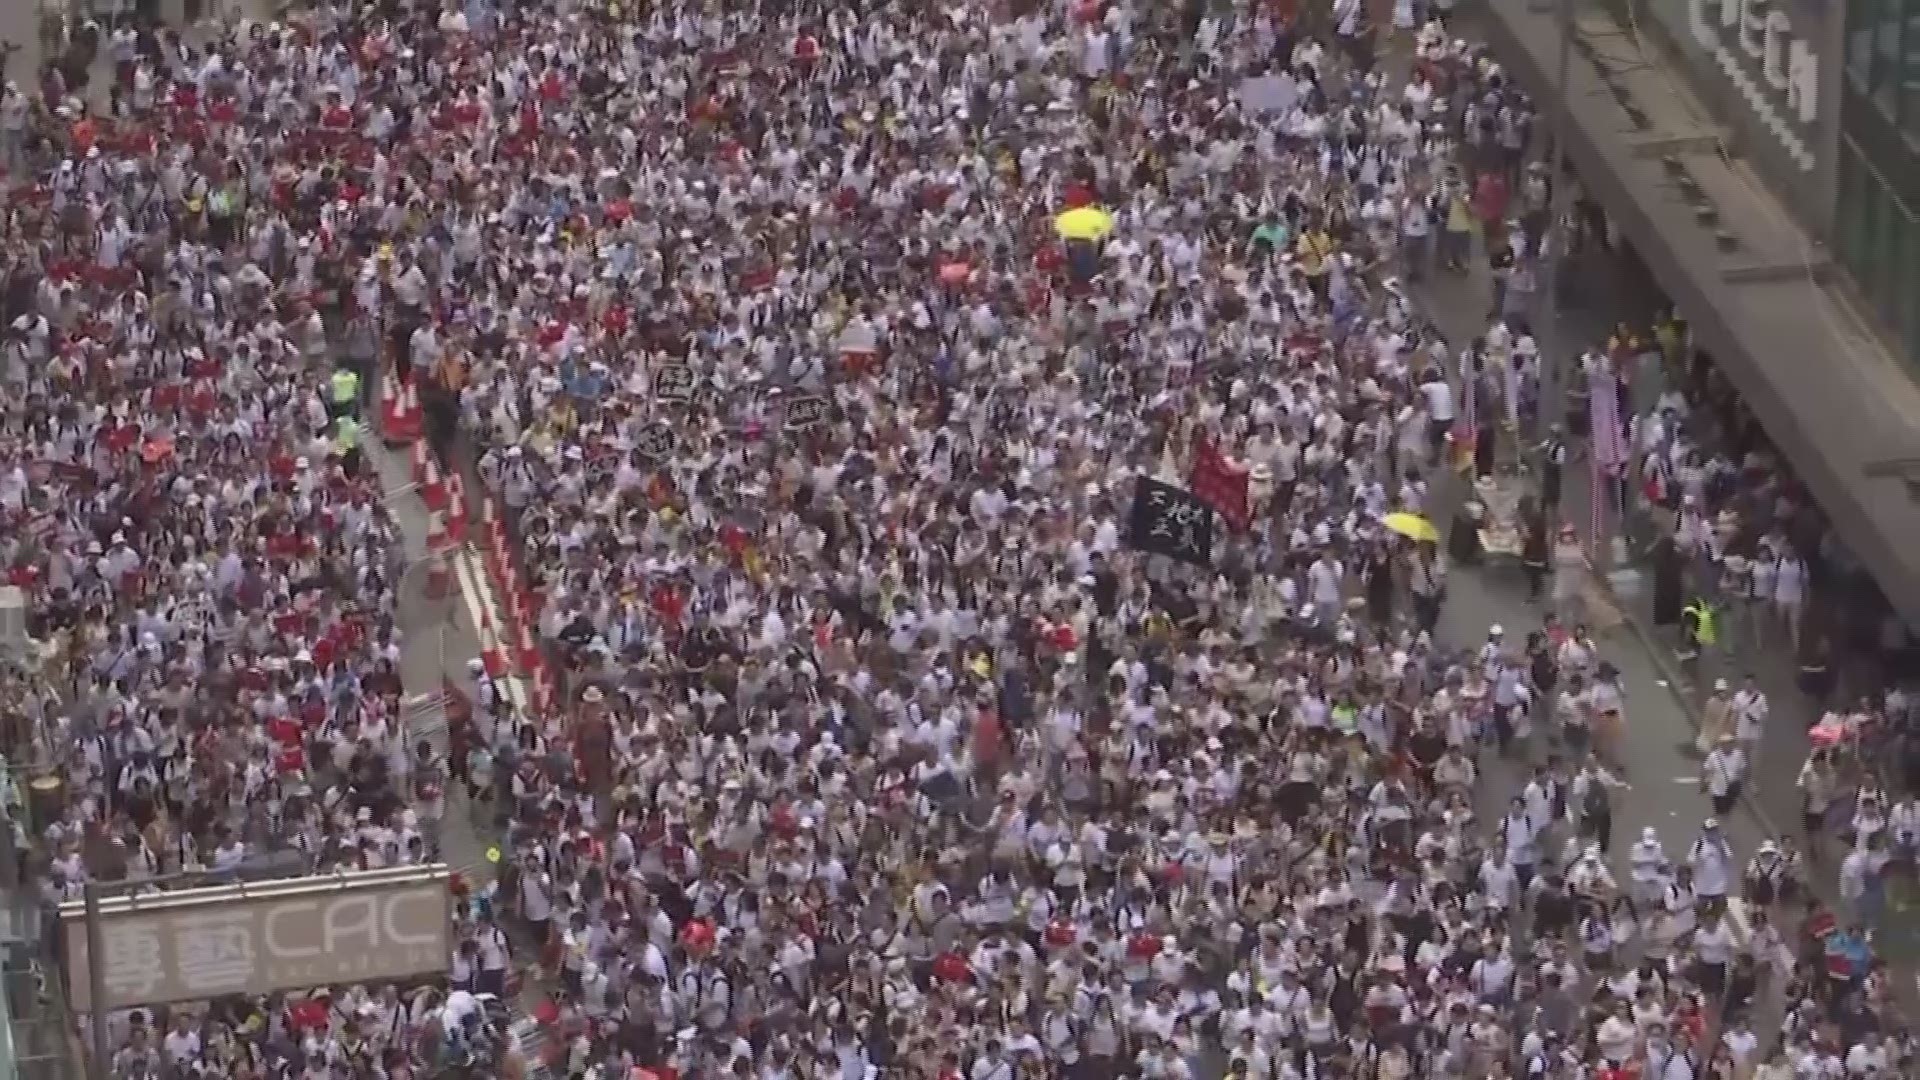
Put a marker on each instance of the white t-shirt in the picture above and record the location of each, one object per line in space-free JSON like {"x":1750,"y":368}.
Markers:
{"x":1859,"y":866}
{"x":182,"y":1046}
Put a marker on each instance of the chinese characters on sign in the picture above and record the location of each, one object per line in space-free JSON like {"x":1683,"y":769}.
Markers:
{"x":213,"y":953}
{"x":132,"y":961}
{"x":656,"y":442}
{"x":805,"y":411}
{"x":205,"y":943}
{"x":1768,"y":59}
{"x":1169,"y":521}
{"x":675,"y":382}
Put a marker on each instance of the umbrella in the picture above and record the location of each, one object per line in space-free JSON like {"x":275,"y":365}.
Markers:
{"x":1083,"y":223}
{"x":1412,"y":526}
{"x":1830,"y":731}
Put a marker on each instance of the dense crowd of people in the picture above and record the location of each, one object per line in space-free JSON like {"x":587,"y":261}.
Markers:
{"x":1737,"y":528}
{"x":889,"y":743}
{"x":209,"y":568}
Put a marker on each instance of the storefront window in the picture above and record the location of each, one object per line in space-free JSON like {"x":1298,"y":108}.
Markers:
{"x":1879,"y":244}
{"x":1907,"y":322}
{"x":1910,"y":75}
{"x":1907,"y":315}
{"x":1887,"y":57}
{"x":1854,"y":182}
{"x":1895,"y":260}
{"x":1862,"y":18}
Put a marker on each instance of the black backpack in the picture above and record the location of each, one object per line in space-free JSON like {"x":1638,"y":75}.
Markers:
{"x":1595,"y":803}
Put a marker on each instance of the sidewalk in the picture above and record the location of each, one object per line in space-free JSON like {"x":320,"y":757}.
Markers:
{"x":1661,"y":750}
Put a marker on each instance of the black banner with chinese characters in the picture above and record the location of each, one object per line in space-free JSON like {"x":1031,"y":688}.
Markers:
{"x":676,"y":383}
{"x":657,"y":442}
{"x":806,"y":411}
{"x":1169,"y":521}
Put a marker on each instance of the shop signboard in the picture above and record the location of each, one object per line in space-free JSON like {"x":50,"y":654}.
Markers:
{"x":258,"y":938}
{"x":1766,"y":49}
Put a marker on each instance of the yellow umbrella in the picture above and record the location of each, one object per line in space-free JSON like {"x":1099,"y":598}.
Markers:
{"x":1412,"y":526}
{"x":1083,"y":223}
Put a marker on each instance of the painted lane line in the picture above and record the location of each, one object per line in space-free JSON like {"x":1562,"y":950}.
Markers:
{"x":480,"y":609}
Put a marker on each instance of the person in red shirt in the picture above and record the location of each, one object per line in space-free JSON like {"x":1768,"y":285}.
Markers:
{"x":806,"y":51}
{"x":336,"y":117}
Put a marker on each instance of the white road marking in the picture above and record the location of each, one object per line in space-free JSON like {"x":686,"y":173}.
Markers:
{"x":481,"y":606}
{"x":1737,"y":914}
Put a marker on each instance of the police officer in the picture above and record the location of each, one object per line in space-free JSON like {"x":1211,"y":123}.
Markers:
{"x":343,"y":393}
{"x":346,"y":444}
{"x":1698,"y":621}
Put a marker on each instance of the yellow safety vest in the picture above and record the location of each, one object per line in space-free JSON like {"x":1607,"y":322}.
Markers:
{"x":346,"y":435}
{"x":346,"y":386}
{"x":1702,"y":615}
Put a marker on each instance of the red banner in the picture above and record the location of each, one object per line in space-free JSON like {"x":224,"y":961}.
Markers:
{"x":1220,"y":483}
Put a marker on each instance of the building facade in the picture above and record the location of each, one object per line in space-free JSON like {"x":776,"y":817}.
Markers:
{"x":1767,"y":69}
{"x":1759,"y":156}
{"x":1822,"y":97}
{"x":1876,"y":232}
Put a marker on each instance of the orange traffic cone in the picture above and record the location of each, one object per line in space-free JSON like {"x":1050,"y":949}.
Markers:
{"x":419,"y":461}
{"x":456,"y":508}
{"x":413,"y":419}
{"x":433,"y":489}
{"x":438,"y":541}
{"x":527,"y":652}
{"x":527,"y":600}
{"x":492,"y":656}
{"x":392,"y":424}
{"x":491,"y":521}
{"x":495,"y":567}
{"x":439,"y":577}
{"x":510,"y":612}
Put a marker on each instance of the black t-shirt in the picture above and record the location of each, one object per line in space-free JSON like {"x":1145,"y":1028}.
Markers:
{"x":698,"y":650}
{"x":1426,"y":747}
{"x":140,"y":806}
{"x":1553,"y":910}
{"x":1106,"y":593}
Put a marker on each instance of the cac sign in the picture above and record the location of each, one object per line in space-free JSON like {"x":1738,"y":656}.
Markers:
{"x":1774,"y":66}
{"x":258,"y":938}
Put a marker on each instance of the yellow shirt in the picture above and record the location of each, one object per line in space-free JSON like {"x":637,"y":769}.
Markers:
{"x":1313,"y":249}
{"x":1459,"y":215}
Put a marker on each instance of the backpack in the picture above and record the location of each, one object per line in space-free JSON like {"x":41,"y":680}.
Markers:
{"x":1763,"y":884}
{"x":1595,"y":803}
